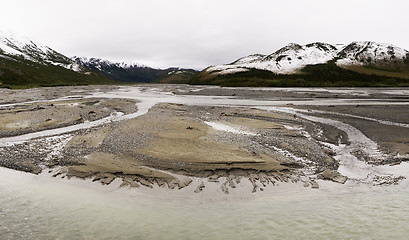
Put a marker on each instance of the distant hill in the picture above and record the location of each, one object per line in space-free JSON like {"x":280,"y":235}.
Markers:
{"x":24,"y":63}
{"x":315,"y":64}
{"x":135,"y":73}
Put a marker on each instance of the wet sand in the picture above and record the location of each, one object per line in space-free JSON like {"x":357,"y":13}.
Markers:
{"x":224,"y":135}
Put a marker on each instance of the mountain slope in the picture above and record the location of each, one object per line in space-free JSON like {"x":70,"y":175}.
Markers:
{"x":316,"y":64}
{"x":134,"y":73}
{"x":35,"y":52}
{"x":24,"y":63}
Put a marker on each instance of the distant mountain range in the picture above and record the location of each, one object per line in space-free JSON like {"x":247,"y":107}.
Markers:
{"x":30,"y":51}
{"x":316,"y":64}
{"x":133,"y":72}
{"x":293,"y":57}
{"x":24,"y":63}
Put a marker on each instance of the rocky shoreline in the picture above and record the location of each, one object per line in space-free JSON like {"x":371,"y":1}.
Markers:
{"x":175,"y":142}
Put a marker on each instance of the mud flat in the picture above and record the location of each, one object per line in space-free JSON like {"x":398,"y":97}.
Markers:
{"x":170,"y":135}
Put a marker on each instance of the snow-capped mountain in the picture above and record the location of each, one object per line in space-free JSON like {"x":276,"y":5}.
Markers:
{"x":101,"y":64}
{"x":24,"y":63}
{"x":19,"y":47}
{"x":128,"y":72}
{"x":372,"y":53}
{"x":293,"y":57}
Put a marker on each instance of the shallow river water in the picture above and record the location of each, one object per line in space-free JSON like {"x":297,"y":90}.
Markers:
{"x":38,"y":207}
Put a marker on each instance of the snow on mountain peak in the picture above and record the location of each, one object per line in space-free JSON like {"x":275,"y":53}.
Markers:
{"x":102,"y":63}
{"x":288,"y":59}
{"x":367,"y":52}
{"x":249,"y":58}
{"x":13,"y":46}
{"x":130,"y":65}
{"x":293,"y":57}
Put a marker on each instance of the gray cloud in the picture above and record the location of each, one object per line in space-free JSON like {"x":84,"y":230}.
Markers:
{"x":199,"y":33}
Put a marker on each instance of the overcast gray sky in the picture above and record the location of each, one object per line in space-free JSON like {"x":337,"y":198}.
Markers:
{"x":199,"y":33}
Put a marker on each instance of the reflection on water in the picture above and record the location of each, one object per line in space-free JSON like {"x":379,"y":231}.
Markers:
{"x":33,"y":207}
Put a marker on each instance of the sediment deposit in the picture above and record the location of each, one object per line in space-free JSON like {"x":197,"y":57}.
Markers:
{"x":168,"y":135}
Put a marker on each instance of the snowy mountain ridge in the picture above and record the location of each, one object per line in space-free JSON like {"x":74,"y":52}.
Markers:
{"x":100,"y":64}
{"x":25,"y":63}
{"x":12,"y":46}
{"x":130,"y":72}
{"x":293,"y":57}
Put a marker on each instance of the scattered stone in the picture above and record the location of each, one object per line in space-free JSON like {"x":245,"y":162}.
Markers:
{"x":129,"y":182}
{"x":230,"y":181}
{"x":200,"y":187}
{"x":183,"y":181}
{"x":264,"y":179}
{"x":253,"y":180}
{"x":145,"y":182}
{"x":224,"y":188}
{"x":160,"y":182}
{"x":332,"y":175}
{"x":214,"y":178}
{"x":314,"y":184}
{"x":104,"y":178}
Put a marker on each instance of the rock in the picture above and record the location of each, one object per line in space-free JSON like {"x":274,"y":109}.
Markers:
{"x":171,"y":184}
{"x":126,"y":181}
{"x":133,"y":184}
{"x":144,"y":182}
{"x":224,"y":188}
{"x":160,"y":182}
{"x":105,"y":178}
{"x":180,"y":182}
{"x":214,"y":178}
{"x":314,"y":184}
{"x":332,"y":175}
{"x":200,"y":188}
{"x":253,"y":180}
{"x":264,"y":179}
{"x":230,"y":181}
{"x":183,"y":181}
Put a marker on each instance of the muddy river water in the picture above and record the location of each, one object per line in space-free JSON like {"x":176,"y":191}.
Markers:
{"x":33,"y":207}
{"x":372,"y":204}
